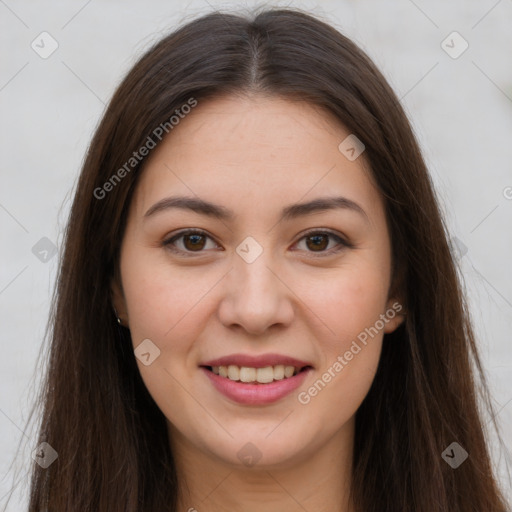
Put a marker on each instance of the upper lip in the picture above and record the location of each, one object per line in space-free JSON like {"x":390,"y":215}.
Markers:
{"x":260,"y":361}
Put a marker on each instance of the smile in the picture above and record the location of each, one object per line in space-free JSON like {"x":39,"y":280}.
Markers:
{"x":258,"y":380}
{"x":261,"y":375}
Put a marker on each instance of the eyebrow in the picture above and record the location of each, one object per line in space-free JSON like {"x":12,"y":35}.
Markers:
{"x":292,"y":211}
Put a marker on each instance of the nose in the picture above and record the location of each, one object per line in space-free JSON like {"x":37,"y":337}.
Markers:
{"x":256,"y":296}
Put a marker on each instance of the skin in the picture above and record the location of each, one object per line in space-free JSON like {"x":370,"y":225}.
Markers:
{"x":255,"y":155}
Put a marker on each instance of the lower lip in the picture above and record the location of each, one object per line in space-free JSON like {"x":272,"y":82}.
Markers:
{"x":256,"y":394}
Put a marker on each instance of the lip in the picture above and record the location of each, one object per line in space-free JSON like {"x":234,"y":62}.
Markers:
{"x":255,"y":394}
{"x":256,"y":361}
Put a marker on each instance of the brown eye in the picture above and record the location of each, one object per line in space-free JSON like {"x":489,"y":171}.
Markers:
{"x":320,"y":242}
{"x":188,"y":242}
{"x":194,"y":242}
{"x":317,"y":242}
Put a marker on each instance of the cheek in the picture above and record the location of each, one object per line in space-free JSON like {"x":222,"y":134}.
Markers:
{"x":350,"y":305}
{"x":162,"y":300}
{"x":333,"y":398}
{"x":348,"y":301}
{"x":169,"y":308}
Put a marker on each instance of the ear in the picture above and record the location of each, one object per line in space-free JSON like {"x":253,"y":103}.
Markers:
{"x":395,"y":315}
{"x":396,"y":305}
{"x":118,"y":300}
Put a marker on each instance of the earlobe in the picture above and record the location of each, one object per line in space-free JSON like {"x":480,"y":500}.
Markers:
{"x":118,"y":302}
{"x":395,"y":315}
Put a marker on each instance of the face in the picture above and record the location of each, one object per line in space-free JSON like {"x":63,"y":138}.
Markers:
{"x":256,"y":287}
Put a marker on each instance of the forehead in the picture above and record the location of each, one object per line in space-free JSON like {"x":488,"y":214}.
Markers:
{"x":254,"y":151}
{"x":244,"y":129}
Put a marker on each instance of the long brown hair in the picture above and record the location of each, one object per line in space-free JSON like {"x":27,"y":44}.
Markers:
{"x":111,"y":438}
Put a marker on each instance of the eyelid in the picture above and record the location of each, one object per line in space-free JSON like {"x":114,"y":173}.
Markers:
{"x":168,"y":242}
{"x":343,"y":242}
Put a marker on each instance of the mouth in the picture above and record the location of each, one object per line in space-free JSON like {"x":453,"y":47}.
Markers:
{"x":259,"y":380}
{"x":252,"y":375}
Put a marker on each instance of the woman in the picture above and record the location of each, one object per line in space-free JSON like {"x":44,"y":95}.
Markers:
{"x":257,"y":308}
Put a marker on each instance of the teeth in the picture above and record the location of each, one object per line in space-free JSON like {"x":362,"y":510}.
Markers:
{"x":288,"y":371}
{"x":265,"y":375}
{"x":261,"y":375}
{"x":247,"y":374}
{"x":279,"y":372}
{"x":233,"y":372}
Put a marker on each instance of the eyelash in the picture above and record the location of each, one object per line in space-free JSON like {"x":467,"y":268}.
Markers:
{"x":343,"y":244}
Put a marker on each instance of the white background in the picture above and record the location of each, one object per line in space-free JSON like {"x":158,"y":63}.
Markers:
{"x":460,"y":109}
